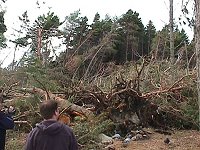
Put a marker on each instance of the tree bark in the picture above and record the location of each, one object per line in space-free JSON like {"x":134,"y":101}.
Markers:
{"x":197,"y":46}
{"x":62,"y":102}
{"x":39,"y":42}
{"x":171,"y":25}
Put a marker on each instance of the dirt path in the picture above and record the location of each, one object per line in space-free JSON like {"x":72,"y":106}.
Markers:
{"x":180,"y":140}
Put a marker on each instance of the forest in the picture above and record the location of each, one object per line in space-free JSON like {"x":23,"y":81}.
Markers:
{"x":113,"y":74}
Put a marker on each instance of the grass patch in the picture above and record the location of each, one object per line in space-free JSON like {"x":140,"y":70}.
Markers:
{"x":15,"y":140}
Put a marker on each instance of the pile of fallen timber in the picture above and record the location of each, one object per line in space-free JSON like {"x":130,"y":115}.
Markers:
{"x":130,"y":109}
{"x":125,"y":105}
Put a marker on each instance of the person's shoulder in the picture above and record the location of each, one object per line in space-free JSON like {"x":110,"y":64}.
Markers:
{"x":34,"y":130}
{"x":67,"y":128}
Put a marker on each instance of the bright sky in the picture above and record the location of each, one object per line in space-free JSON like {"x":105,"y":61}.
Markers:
{"x":155,"y":10}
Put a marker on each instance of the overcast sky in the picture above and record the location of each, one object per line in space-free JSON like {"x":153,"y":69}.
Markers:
{"x":155,"y":10}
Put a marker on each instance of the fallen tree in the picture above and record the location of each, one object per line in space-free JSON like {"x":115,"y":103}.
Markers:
{"x":125,"y":105}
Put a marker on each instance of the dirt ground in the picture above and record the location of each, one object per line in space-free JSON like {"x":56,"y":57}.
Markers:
{"x":180,"y":140}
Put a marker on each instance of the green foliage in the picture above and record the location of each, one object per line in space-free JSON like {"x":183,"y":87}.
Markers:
{"x":191,"y":110}
{"x":24,"y":17}
{"x":48,"y":25}
{"x":37,"y":75}
{"x":2,"y":41}
{"x":40,"y":78}
{"x":130,"y":39}
{"x":2,"y":25}
{"x":88,"y":49}
{"x":49,"y":21}
{"x":22,"y":42}
{"x":2,"y":30}
{"x":21,"y":105}
{"x":97,"y":29}
{"x":161,"y":42}
{"x":120,"y":40}
{"x":27,"y":110}
{"x":75,"y":32}
{"x":190,"y":107}
{"x":88,"y":131}
{"x":150,"y":33}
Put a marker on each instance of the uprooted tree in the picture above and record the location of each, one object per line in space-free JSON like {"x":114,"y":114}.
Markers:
{"x":130,"y":103}
{"x":102,"y":79}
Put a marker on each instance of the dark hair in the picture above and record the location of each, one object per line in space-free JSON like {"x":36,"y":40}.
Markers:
{"x":48,"y":108}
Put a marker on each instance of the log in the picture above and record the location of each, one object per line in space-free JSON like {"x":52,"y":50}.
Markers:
{"x":62,"y":102}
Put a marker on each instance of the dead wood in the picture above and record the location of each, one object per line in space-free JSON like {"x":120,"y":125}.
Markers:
{"x":128,"y":105}
{"x":125,"y":105}
{"x":154,"y":93}
{"x":63,"y":102}
{"x":176,"y":86}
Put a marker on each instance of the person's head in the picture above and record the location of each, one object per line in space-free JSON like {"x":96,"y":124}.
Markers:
{"x":49,"y":109}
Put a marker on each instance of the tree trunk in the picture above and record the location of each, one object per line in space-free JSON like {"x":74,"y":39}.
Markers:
{"x":171,"y":24}
{"x":126,"y":56}
{"x":197,"y":46}
{"x":62,"y":102}
{"x":39,"y":43}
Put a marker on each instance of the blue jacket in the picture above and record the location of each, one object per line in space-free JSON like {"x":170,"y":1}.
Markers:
{"x":6,"y":122}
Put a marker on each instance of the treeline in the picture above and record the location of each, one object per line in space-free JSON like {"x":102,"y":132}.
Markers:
{"x":87,"y":48}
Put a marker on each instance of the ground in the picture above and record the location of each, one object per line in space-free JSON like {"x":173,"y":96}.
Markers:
{"x":180,"y":140}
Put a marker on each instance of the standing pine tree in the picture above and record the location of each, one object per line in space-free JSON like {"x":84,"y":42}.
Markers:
{"x":150,"y":33}
{"x":130,"y":39}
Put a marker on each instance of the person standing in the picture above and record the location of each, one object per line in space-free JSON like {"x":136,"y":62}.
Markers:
{"x":6,"y":122}
{"x":50,"y":134}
